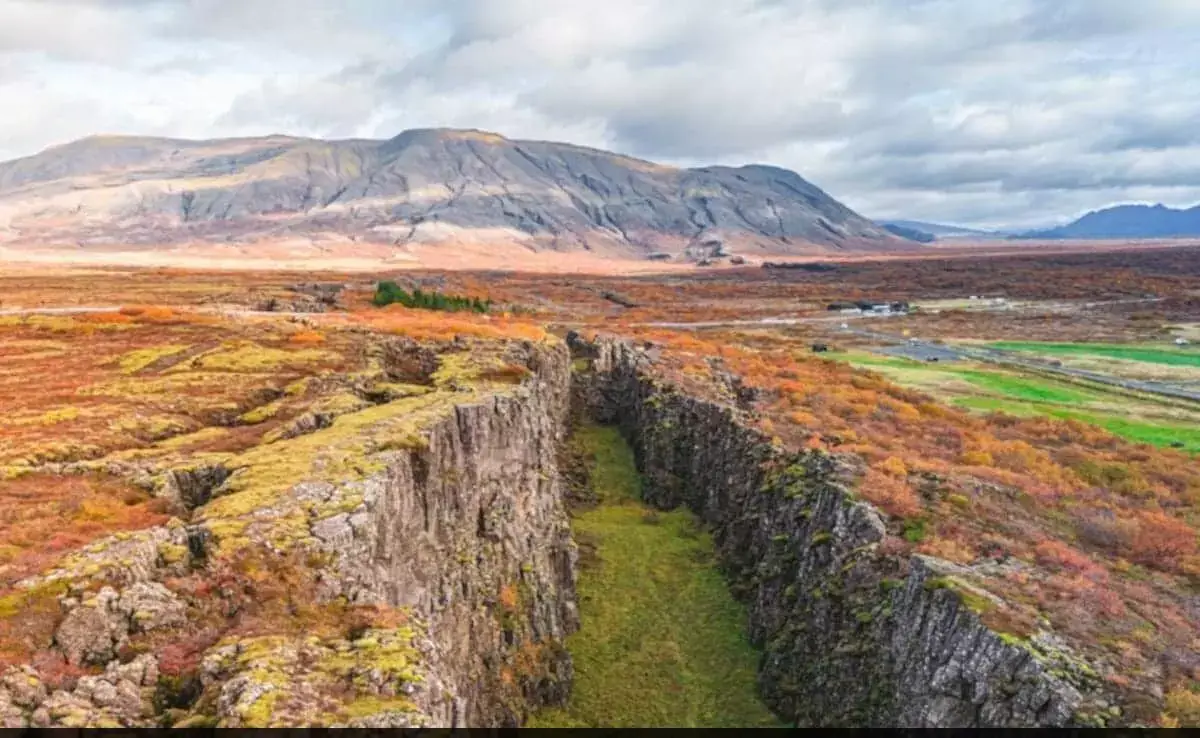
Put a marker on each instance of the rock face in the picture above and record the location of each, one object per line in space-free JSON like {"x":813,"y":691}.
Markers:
{"x":466,"y":532}
{"x":852,"y":637}
{"x":459,"y":538}
{"x":423,"y":186}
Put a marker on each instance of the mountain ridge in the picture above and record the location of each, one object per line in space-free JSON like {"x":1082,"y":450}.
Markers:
{"x":939,"y":230}
{"x":422,"y":186}
{"x":1127,"y":221}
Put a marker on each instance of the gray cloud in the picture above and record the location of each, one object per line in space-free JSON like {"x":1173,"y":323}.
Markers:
{"x":1020,"y":112}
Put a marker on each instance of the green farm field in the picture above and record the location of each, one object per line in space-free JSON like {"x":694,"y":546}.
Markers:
{"x":984,"y":388}
{"x":1158,"y":362}
{"x":1170,"y":356}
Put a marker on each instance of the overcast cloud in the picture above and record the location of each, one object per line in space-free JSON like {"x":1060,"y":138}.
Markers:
{"x":1009,"y":113}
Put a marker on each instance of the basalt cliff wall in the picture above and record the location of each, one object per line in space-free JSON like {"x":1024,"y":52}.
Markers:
{"x":445,"y":507}
{"x":851,"y":636}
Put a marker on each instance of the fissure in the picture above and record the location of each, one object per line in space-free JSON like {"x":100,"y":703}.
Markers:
{"x":412,"y":564}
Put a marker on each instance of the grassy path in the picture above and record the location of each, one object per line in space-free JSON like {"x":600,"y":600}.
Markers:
{"x":661,"y":643}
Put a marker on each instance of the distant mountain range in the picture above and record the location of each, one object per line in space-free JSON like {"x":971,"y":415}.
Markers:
{"x":939,"y":230}
{"x":912,"y":234}
{"x":429,"y":186}
{"x":1127,"y":221}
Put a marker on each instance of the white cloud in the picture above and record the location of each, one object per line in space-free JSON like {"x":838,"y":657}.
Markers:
{"x":981,"y":113}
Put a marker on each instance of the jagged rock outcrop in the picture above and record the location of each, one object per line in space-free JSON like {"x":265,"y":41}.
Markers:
{"x":423,"y":186}
{"x":852,"y":636}
{"x":96,"y":629}
{"x":438,"y":519}
{"x":467,"y":532}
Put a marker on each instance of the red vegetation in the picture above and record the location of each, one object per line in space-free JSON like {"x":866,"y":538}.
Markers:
{"x":1106,"y":530}
{"x":42,"y":516}
{"x":306,"y":338}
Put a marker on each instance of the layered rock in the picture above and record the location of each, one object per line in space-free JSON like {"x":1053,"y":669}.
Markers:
{"x":852,"y":636}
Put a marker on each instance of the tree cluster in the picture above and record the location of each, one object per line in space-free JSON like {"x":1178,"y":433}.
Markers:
{"x":388,"y":293}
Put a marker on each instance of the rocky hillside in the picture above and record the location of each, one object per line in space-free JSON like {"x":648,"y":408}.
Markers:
{"x":423,"y":186}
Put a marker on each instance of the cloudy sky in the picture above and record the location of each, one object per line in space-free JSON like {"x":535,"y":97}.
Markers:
{"x":979,"y":112}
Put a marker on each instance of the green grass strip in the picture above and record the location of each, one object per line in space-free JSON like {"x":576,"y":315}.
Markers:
{"x":1155,"y":434}
{"x":662,"y":641}
{"x":1147,"y":354}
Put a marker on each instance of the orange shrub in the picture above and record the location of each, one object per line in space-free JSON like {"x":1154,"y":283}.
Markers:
{"x":306,"y":338}
{"x":158,"y":314}
{"x":977,"y":458}
{"x":1059,"y":556}
{"x":1183,"y":707}
{"x":509,"y":599}
{"x":149,"y":313}
{"x":106,"y":318}
{"x":1162,"y":542}
{"x":890,"y":494}
{"x":950,"y":549}
{"x":894,"y":467}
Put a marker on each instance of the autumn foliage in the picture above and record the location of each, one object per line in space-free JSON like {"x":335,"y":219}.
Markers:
{"x":1104,"y":529}
{"x":306,"y":338}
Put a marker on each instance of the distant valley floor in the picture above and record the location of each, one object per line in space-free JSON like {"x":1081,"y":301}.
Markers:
{"x":461,"y":255}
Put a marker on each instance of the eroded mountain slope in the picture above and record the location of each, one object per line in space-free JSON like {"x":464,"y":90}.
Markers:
{"x":423,"y":186}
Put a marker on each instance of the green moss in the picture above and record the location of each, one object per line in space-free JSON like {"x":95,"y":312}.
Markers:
{"x":250,"y":357}
{"x":456,"y":369}
{"x":971,"y":597}
{"x":154,"y":427}
{"x":351,"y":670}
{"x":49,"y":417}
{"x":888,"y":584}
{"x":581,"y":365}
{"x":44,"y":593}
{"x":975,"y":603}
{"x":821,"y":537}
{"x":662,"y":641}
{"x":915,"y":530}
{"x":340,"y":403}
{"x":262,"y":413}
{"x":135,"y":361}
{"x":933,"y":584}
{"x":1011,"y":639}
{"x":172,"y":554}
{"x":367,"y":706}
{"x":13,"y":471}
{"x":346,"y":451}
{"x":258,"y":713}
{"x":297,"y":388}
{"x":392,"y":391}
